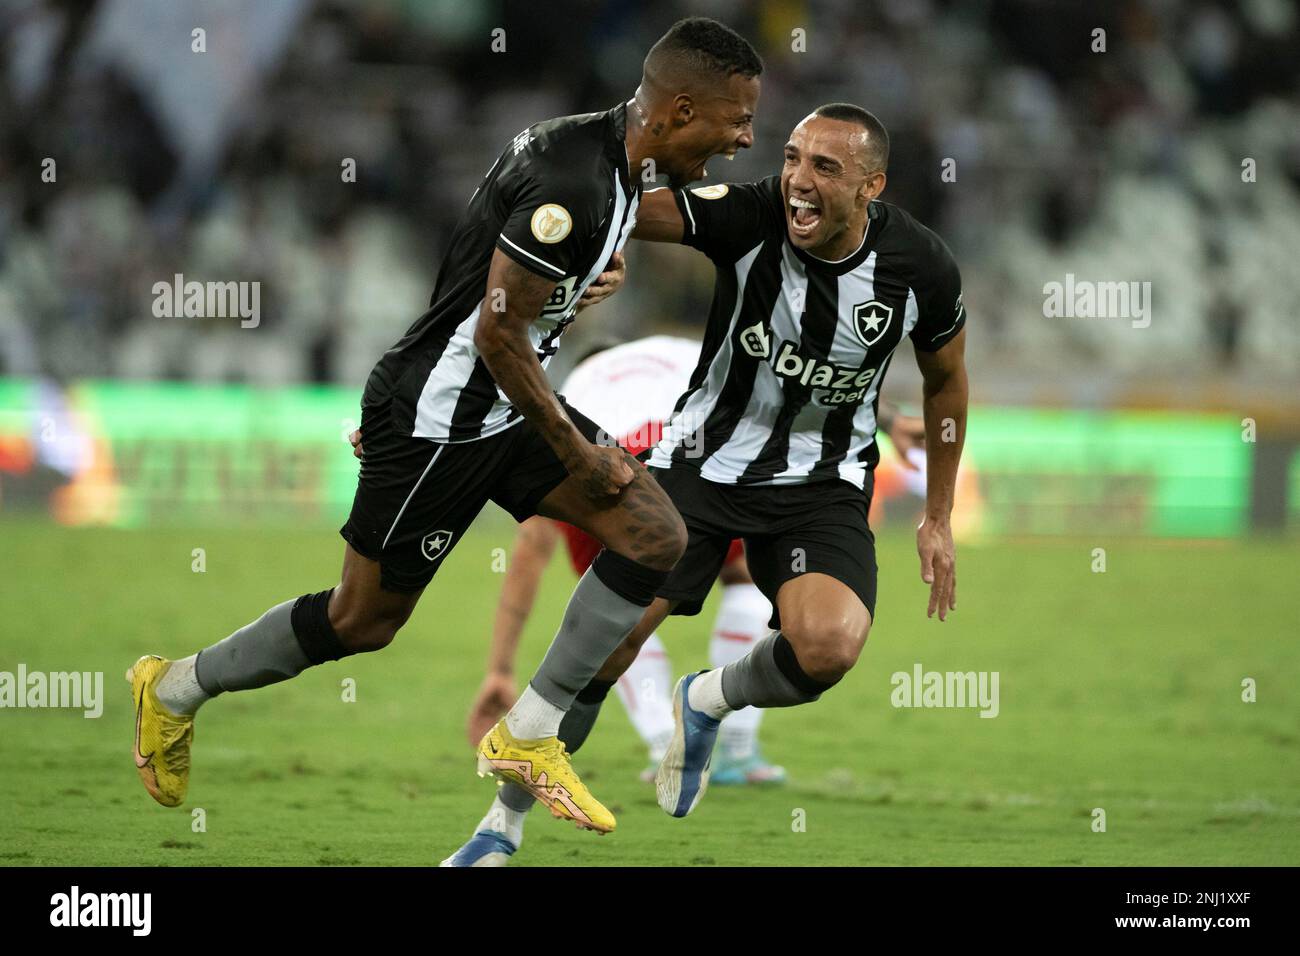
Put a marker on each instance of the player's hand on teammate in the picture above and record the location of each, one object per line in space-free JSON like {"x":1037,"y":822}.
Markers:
{"x":496,"y":695}
{"x":907,"y":432}
{"x":355,"y":439}
{"x":938,"y":565}
{"x":602,"y":471}
{"x":606,"y":284}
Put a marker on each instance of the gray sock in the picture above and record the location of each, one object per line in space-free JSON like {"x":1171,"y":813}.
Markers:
{"x":261,"y":653}
{"x":574,"y":729}
{"x":768,"y":676}
{"x":594,"y":625}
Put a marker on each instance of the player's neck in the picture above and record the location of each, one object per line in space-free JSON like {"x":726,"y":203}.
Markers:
{"x":844,"y":245}
{"x":634,"y":135}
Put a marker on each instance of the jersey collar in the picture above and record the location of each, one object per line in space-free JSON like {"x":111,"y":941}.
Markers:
{"x":618,"y":143}
{"x":870,"y":236}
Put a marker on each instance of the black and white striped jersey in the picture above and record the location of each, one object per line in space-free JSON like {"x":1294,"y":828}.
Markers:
{"x":788,"y":382}
{"x":559,"y":201}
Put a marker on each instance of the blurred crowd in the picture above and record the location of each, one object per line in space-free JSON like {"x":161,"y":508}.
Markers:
{"x":1164,"y":149}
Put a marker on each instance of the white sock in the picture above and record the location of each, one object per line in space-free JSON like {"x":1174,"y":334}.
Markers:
{"x":705,"y":695}
{"x":646,"y":692}
{"x":178,"y":690}
{"x":742,"y":620}
{"x":533,"y":716}
{"x":504,"y":820}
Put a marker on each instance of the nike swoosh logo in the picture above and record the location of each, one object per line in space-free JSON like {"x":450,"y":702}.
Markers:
{"x":141,"y":760}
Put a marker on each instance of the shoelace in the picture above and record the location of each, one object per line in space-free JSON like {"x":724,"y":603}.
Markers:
{"x":556,"y":750}
{"x":178,"y":760}
{"x":559,"y":752}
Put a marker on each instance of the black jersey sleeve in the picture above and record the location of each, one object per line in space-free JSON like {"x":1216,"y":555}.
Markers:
{"x":941,"y":314}
{"x":554,"y":212}
{"x":725,"y":221}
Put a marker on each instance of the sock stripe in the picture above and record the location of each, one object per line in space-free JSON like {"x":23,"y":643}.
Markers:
{"x":311,"y":626}
{"x":596,"y":691}
{"x":788,"y":664}
{"x":630,"y":580}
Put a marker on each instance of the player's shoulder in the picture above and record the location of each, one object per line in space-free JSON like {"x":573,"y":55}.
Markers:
{"x":573,"y":148}
{"x":909,"y":245}
{"x":903,"y":237}
{"x":765,"y":192}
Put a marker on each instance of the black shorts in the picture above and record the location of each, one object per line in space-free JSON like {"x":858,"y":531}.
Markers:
{"x":788,"y":530}
{"x":416,"y":497}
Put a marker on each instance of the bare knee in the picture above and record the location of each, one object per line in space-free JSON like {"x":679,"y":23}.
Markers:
{"x":675,"y":546}
{"x":654,"y":533}
{"x":361,"y":628}
{"x":662,"y":545}
{"x":826,"y":649}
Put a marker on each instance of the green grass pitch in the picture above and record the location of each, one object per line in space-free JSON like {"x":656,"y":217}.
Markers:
{"x":1119,"y":690}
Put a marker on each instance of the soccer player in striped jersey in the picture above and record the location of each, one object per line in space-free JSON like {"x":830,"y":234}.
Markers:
{"x":460,"y":412}
{"x":817,"y":283}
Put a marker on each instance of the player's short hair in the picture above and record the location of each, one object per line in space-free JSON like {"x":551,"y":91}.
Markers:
{"x":877,"y":136}
{"x":700,"y":48}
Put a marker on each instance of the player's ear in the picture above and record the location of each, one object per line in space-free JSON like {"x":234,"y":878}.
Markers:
{"x":872,"y":186}
{"x":683,"y":109}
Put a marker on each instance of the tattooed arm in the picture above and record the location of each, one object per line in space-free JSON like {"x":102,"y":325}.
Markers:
{"x":515,"y":297}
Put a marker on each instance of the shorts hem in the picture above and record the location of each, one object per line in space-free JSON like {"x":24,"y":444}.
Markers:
{"x":386,"y":581}
{"x":528,"y":507}
{"x":688,"y":603}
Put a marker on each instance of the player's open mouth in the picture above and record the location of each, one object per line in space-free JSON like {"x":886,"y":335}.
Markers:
{"x":704,"y":173}
{"x":804,"y":217}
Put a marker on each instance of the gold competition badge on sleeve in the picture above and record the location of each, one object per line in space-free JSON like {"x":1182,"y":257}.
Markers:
{"x":551,"y":223}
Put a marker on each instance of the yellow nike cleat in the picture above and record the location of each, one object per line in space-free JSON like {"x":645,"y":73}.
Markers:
{"x":165,"y":767}
{"x":542,"y":768}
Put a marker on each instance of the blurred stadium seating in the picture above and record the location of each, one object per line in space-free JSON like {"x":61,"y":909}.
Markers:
{"x":1118,"y":165}
{"x":1123,"y":164}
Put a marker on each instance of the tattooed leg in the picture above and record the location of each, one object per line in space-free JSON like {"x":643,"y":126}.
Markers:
{"x":640,"y":523}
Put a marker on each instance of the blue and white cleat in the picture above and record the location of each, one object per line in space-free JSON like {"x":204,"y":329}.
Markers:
{"x":683,"y":774}
{"x":752,"y":771}
{"x":484,"y":848}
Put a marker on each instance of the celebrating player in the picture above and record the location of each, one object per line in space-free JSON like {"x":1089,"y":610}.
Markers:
{"x":460,"y":412}
{"x":818,"y":283}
